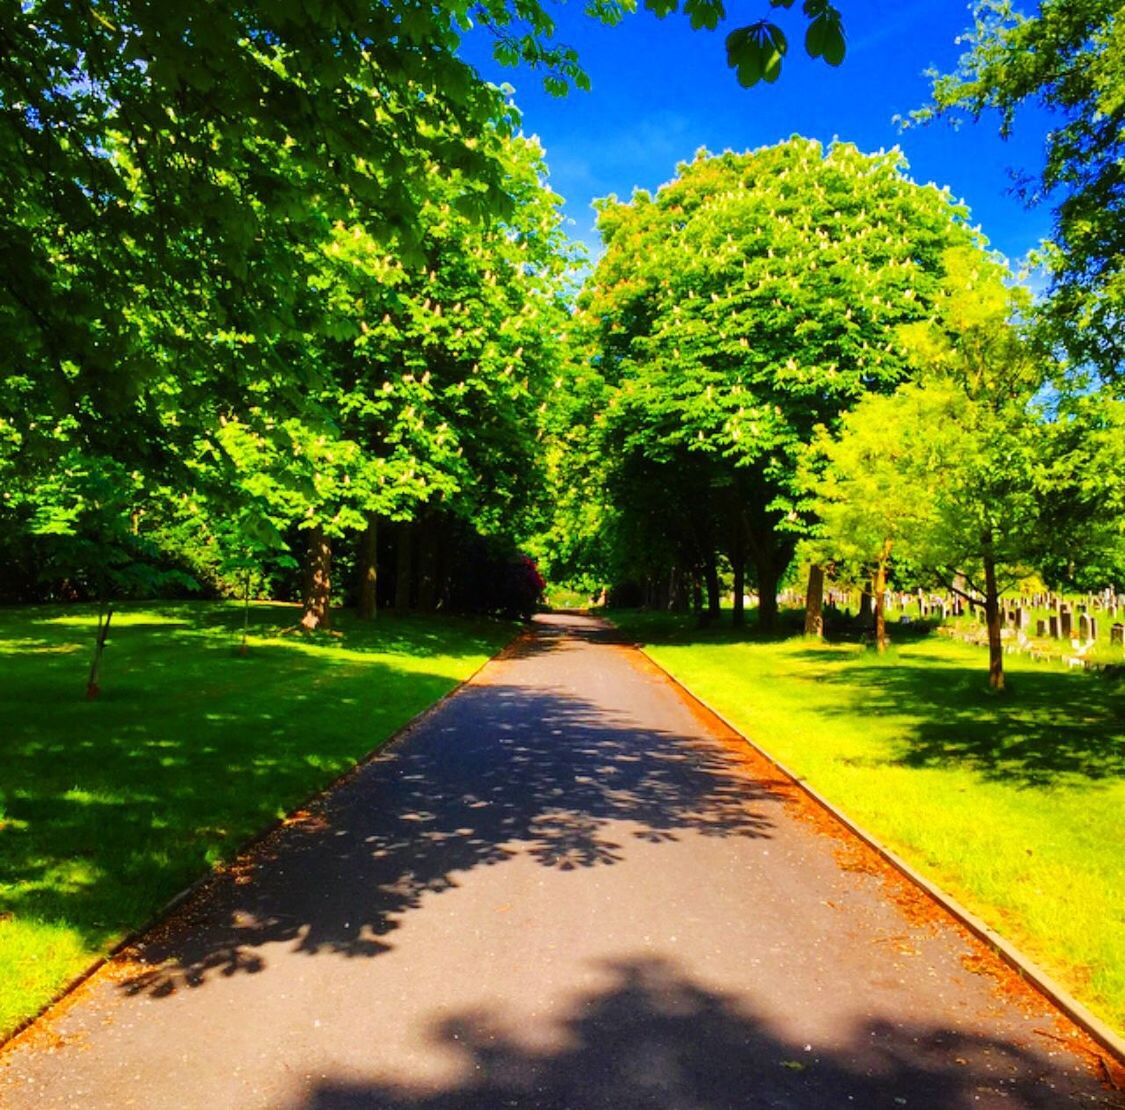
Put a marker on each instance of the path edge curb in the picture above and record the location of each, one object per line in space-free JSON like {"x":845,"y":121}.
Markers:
{"x":177,"y":900}
{"x":1026,"y":968}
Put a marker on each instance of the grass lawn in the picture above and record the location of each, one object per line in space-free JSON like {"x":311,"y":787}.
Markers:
{"x":108,"y":808}
{"x":1014,"y":804}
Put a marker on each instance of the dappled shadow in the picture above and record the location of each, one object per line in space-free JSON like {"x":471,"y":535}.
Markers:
{"x":107,"y":808}
{"x":501,"y":771}
{"x":654,"y":1038}
{"x":1049,"y":728}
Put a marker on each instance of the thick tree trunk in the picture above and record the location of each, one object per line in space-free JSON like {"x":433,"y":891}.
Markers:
{"x":992,"y":618}
{"x":404,"y":564}
{"x":318,"y":581}
{"x":814,"y":603}
{"x":368,"y":568}
{"x":738,"y":563}
{"x":244,"y":647}
{"x":427,"y":565}
{"x":711,"y":579}
{"x":768,"y":576}
{"x":738,"y":616}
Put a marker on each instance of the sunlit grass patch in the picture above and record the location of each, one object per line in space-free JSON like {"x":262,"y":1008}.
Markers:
{"x":1012,"y":803}
{"x":107,"y":808}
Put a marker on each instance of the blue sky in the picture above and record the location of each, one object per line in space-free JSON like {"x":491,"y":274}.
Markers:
{"x":661,"y":91}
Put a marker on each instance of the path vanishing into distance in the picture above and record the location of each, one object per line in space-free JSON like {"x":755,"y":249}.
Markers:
{"x":564,"y":887}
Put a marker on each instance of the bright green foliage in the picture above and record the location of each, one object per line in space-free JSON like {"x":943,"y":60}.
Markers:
{"x":1070,"y":57}
{"x":1082,"y":493}
{"x":295,"y":275}
{"x":428,"y":380}
{"x":966,"y":471}
{"x":752,"y":299}
{"x":176,"y":177}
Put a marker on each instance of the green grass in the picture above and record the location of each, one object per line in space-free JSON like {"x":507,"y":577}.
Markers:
{"x":107,"y":808}
{"x":1014,"y":804}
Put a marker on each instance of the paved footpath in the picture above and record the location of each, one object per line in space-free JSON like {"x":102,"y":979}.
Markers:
{"x":558,"y":890}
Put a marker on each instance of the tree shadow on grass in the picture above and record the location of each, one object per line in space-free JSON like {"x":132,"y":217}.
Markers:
{"x":1050,"y":728}
{"x":501,"y":771}
{"x":108,"y":808}
{"x":653,"y":1038}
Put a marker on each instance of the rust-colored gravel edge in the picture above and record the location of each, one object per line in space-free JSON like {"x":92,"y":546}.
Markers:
{"x":132,"y":938}
{"x":1051,"y":990}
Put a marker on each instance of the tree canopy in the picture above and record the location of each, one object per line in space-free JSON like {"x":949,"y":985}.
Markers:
{"x":1069,"y":57}
{"x":751,"y":299}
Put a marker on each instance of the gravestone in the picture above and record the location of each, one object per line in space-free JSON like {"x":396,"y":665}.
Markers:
{"x":1083,"y":627}
{"x":1093,"y":629}
{"x":1117,"y":635}
{"x":1053,"y":626}
{"x":1041,"y":628}
{"x":1066,"y":622}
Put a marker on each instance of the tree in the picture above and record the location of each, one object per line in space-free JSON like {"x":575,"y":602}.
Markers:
{"x":424,"y":386}
{"x":867,"y":490}
{"x":952,"y":469}
{"x":1070,"y":57}
{"x":752,"y":299}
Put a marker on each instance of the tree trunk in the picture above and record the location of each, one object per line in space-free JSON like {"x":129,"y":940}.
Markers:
{"x":427,"y":565}
{"x":404,"y":564}
{"x":244,"y":647}
{"x":738,"y":614}
{"x":368,"y":567}
{"x":992,"y":617}
{"x":738,"y":563}
{"x":879,"y":590}
{"x":93,"y":683}
{"x":768,"y":576}
{"x":866,"y":614}
{"x":711,"y":578}
{"x":318,"y":581}
{"x":814,"y":603}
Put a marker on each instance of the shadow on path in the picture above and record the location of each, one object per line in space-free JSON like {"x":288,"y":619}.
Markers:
{"x":656,"y":1039}
{"x":499,"y":771}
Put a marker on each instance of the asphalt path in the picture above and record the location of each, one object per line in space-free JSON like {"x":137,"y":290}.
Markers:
{"x":559,"y":889}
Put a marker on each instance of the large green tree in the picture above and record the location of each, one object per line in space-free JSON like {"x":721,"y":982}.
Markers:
{"x":750,"y":300}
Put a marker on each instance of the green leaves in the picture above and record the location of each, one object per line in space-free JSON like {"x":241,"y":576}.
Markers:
{"x":824,"y":37}
{"x":753,"y":298}
{"x":755,"y":52}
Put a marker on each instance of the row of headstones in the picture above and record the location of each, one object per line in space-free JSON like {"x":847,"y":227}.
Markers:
{"x":1108,"y":602}
{"x":1059,"y":625}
